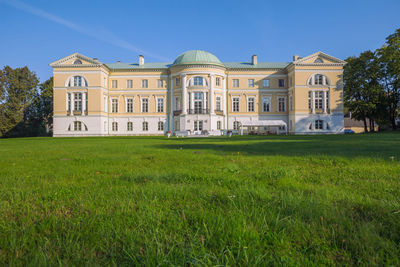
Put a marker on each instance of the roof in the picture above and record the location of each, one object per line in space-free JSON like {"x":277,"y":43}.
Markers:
{"x":151,"y":65}
{"x":260,"y":65}
{"x":197,"y":57}
{"x":264,"y":123}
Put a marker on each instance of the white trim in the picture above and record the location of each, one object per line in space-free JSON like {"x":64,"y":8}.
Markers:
{"x":257,"y":75}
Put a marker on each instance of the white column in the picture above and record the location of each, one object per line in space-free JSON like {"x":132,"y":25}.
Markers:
{"x":204,"y":100}
{"x":324,"y":101}
{"x":184,"y":95}
{"x":312,"y":102}
{"x":72,"y":103}
{"x":171,"y":111}
{"x":323,"y":79}
{"x":211,"y":98}
{"x":83,"y":103}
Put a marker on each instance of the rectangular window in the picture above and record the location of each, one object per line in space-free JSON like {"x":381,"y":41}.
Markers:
{"x":114,"y":105}
{"x":218,"y":103}
{"x":218,"y":125}
{"x":236,"y":125}
{"x":145,"y":126}
{"x":235,"y":83}
{"x":77,"y":101}
{"x":129,"y":126}
{"x":160,"y":83}
{"x":250,"y":104}
{"x":177,"y":81}
{"x":281,"y":104}
{"x":266,"y":83}
{"x":145,"y":83}
{"x":129,"y":84}
{"x":69,"y":102}
{"x":129,"y":105}
{"x":217,"y":81}
{"x":318,"y":96}
{"x":251,"y":82}
{"x":177,"y":103}
{"x":290,"y":103}
{"x":115,"y":126}
{"x":160,"y":126}
{"x":235,"y":104}
{"x":309,"y":99}
{"x":86,"y":101}
{"x":281,"y":83}
{"x":160,"y":104}
{"x":327,"y":101}
{"x":114,"y":84}
{"x":145,"y":105}
{"x":77,"y":126}
{"x":266,"y":104}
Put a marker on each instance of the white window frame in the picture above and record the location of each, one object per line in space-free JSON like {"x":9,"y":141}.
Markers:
{"x":77,"y":126}
{"x":160,"y":126}
{"x":250,"y":82}
{"x":129,"y":84}
{"x":236,"y":125}
{"x":218,"y":103}
{"x":160,"y":108}
{"x":290,"y":103}
{"x":266,"y":83}
{"x":217,"y":81}
{"x":129,"y":126}
{"x":129,"y":106}
{"x":145,"y":126}
{"x":235,"y":83}
{"x":234,"y":108}
{"x":114,"y":126}
{"x":114,"y":84}
{"x":318,"y":125}
{"x":279,"y":98}
{"x":266,"y":100}
{"x":160,"y":83}
{"x":144,"y":104}
{"x":78,"y":101}
{"x":253,"y":102}
{"x":198,"y":81}
{"x":114,"y":105}
{"x":145,"y":83}
{"x":219,"y":125}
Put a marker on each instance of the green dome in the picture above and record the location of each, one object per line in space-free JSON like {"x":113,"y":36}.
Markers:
{"x":197,"y":57}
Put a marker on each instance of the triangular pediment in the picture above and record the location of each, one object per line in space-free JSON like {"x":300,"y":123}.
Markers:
{"x":75,"y":59}
{"x":319,"y":58}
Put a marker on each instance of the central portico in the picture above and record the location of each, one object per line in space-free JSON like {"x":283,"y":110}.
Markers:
{"x":199,"y":84}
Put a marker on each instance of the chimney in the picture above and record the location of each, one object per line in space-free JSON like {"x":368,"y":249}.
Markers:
{"x":254,"y":60}
{"x":141,"y":60}
{"x":296,"y":57}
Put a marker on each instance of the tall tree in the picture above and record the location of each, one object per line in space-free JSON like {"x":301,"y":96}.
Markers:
{"x":18,"y":90}
{"x":46,"y":104}
{"x":361,"y":87}
{"x":389,"y":60}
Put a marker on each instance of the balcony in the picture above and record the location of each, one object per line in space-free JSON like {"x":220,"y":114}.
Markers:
{"x":198,"y":111}
{"x":177,"y":112}
{"x":219,"y":112}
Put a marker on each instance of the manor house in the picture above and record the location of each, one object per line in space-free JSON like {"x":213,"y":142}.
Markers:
{"x":197,"y":93}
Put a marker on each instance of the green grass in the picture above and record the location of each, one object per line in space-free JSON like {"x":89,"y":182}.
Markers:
{"x":276,"y":200}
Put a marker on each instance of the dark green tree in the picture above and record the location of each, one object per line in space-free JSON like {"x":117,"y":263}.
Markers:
{"x":389,"y":61}
{"x":18,"y":93}
{"x":362,"y":90}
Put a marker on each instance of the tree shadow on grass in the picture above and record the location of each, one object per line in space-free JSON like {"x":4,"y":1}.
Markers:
{"x":373,"y":146}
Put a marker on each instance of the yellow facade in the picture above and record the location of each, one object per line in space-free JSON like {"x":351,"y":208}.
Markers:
{"x":197,"y":94}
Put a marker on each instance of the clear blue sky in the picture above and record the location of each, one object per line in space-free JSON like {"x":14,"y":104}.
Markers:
{"x":35,"y":33}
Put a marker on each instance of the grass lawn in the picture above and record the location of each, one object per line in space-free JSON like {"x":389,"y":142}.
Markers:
{"x":285,"y":200}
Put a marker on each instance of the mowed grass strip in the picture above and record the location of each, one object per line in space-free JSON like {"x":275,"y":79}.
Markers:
{"x":277,"y":200}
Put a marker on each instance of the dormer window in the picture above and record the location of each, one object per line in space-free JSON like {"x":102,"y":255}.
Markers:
{"x":318,"y":79}
{"x":318,"y":60}
{"x":198,"y":81}
{"x":77,"y":62}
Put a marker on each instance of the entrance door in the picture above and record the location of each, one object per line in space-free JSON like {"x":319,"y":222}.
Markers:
{"x":198,"y":126}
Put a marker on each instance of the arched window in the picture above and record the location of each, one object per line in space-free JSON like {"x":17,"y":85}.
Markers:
{"x":318,"y":79}
{"x":77,"y":81}
{"x":77,"y":126}
{"x":318,"y":60}
{"x":77,"y":62}
{"x":199,"y":81}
